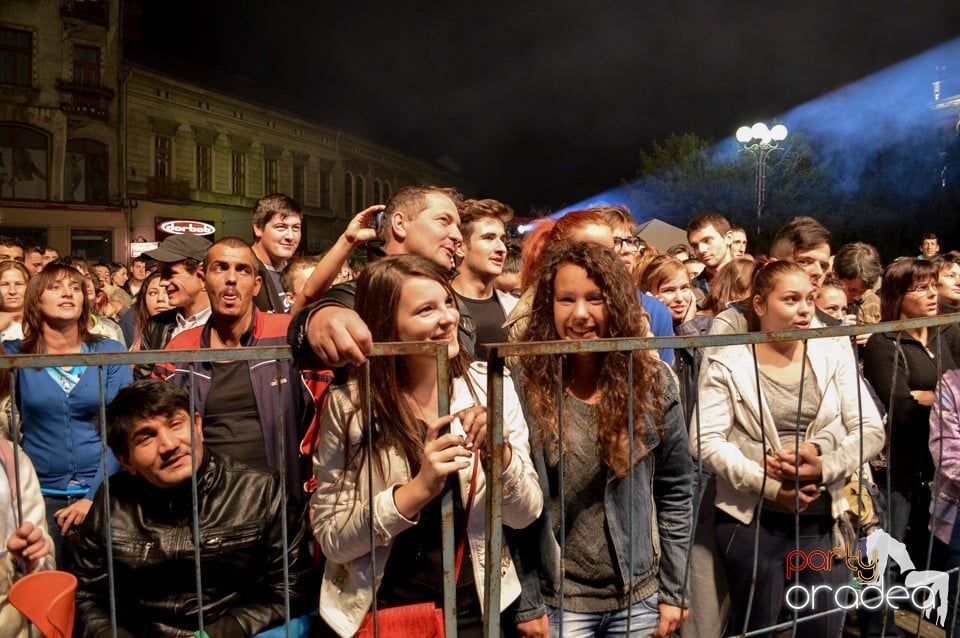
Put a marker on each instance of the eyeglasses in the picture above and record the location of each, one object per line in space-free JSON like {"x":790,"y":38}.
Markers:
{"x":627,"y":243}
{"x":923,"y":289}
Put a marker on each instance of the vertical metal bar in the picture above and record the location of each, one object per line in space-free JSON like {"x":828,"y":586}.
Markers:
{"x":494,"y":496}
{"x":759,"y":512}
{"x":628,"y":579}
{"x":15,"y":434}
{"x":194,"y":498}
{"x":796,"y":478}
{"x":700,"y":485}
{"x":368,"y":421}
{"x":446,"y":508}
{"x":111,"y":575}
{"x":860,"y":459}
{"x":888,"y":447}
{"x":936,"y":491}
{"x":561,"y":487}
{"x":281,"y":446}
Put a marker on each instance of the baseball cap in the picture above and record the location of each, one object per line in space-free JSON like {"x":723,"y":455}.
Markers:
{"x":179,"y":247}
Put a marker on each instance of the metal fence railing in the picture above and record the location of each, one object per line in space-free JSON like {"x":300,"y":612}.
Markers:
{"x":496,"y":379}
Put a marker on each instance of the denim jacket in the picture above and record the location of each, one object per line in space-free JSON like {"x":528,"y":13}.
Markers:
{"x":662,"y":500}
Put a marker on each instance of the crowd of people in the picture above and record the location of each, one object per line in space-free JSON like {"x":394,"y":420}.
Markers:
{"x":675,"y":482}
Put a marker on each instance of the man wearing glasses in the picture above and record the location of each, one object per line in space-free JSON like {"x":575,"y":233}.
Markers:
{"x":630,"y":248}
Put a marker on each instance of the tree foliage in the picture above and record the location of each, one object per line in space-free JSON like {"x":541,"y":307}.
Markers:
{"x":685,"y":175}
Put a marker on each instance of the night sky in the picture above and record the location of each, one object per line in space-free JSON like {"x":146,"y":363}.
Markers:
{"x":545,"y":103}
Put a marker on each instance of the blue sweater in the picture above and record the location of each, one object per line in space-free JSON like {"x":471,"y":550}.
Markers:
{"x":661,"y":322}
{"x":60,"y":434}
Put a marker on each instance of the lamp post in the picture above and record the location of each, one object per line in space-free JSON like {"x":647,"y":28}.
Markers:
{"x":759,"y":141}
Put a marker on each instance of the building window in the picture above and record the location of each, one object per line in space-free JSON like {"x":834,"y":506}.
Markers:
{"x":204,"y":167}
{"x":361,"y":193}
{"x":92,"y":245}
{"x":16,"y":56}
{"x":377,"y":193}
{"x":299,"y":182}
{"x":24,"y":159}
{"x":86,"y":65}
{"x":161,"y":157}
{"x":387,"y":192}
{"x":326,"y":197}
{"x":86,"y":173}
{"x":238,"y":172}
{"x":270,"y":176}
{"x":348,"y":193}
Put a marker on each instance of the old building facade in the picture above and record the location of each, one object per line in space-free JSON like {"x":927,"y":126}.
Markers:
{"x":96,"y":152}
{"x":59,"y":126}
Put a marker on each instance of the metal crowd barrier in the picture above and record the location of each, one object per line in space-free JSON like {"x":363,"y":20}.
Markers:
{"x":493,"y":462}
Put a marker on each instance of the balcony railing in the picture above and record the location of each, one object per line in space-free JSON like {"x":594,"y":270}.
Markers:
{"x":85,"y":99}
{"x":90,"y":11}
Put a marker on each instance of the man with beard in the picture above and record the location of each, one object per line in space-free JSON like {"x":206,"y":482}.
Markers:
{"x":242,"y":402}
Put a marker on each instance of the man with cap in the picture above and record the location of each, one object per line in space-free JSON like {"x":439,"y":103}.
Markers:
{"x":180,"y":263}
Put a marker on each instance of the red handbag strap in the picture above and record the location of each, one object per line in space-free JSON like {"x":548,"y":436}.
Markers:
{"x":466,"y":519}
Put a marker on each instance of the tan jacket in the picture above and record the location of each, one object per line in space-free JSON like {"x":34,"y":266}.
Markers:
{"x":12,"y":623}
{"x":729,"y":425}
{"x":340,"y":505}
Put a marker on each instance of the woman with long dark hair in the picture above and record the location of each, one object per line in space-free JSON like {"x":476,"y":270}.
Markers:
{"x":152,"y":300}
{"x":59,"y":406}
{"x":408,"y":298}
{"x":583,"y":291}
{"x":904,"y":368}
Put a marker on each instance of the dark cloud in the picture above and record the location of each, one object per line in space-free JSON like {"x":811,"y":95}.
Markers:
{"x":547,"y":102}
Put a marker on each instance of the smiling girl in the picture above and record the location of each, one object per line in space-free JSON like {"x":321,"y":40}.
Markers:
{"x":408,"y":298}
{"x":583,"y":291}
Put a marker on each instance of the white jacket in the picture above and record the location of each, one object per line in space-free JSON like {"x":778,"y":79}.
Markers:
{"x":12,"y":623}
{"x":730,"y":433}
{"x":340,"y":505}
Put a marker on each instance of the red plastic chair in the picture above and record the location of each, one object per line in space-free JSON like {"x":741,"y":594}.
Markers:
{"x":47,"y":600}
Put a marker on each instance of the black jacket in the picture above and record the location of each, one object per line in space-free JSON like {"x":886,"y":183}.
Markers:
{"x":269,"y":299}
{"x":917,"y":368}
{"x":155,"y":336}
{"x":241,"y":555}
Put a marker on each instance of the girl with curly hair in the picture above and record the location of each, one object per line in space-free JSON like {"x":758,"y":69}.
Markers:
{"x":612,"y":580}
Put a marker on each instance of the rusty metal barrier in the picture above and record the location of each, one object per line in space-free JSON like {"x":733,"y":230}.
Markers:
{"x":499,"y":352}
{"x":494,"y":443}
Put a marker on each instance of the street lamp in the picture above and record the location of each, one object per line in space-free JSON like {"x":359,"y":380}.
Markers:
{"x":759,"y":141}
